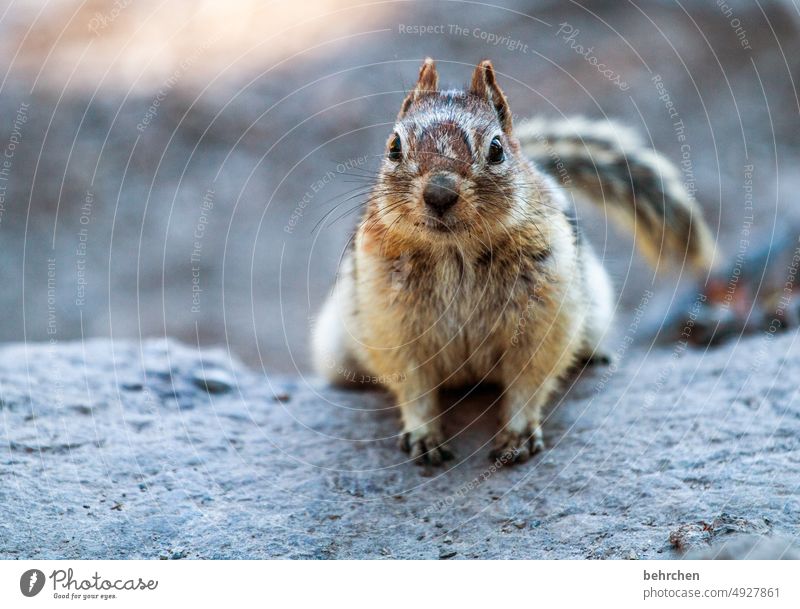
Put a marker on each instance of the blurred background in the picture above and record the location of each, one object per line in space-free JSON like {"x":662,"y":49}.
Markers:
{"x":182,"y":168}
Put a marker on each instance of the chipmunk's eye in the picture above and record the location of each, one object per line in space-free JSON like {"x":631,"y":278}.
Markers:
{"x":496,"y":154}
{"x":395,"y":149}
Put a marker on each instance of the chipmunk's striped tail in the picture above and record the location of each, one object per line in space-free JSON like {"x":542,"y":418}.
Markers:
{"x":635,"y":185}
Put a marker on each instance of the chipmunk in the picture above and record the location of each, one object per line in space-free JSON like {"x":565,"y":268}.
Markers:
{"x":468,"y":267}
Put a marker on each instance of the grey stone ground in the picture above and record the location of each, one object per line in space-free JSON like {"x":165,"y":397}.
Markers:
{"x":112,"y":450}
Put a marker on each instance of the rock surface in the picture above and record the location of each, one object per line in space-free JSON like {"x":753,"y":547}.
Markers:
{"x":116,"y":450}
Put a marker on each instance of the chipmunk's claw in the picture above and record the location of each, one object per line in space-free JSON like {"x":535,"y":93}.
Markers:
{"x":426,"y":448}
{"x":597,"y":358}
{"x":515,"y":447}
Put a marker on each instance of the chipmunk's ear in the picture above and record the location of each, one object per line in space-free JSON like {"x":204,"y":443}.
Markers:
{"x":484,"y":85}
{"x":427,"y":82}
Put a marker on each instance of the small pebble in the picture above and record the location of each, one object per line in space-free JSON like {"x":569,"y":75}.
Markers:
{"x":445,"y":554}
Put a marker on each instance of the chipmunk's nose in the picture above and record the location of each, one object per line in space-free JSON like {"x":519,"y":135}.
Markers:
{"x":441,"y":193}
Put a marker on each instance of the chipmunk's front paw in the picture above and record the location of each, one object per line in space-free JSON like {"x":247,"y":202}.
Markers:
{"x":426,"y":447}
{"x":517,"y":446}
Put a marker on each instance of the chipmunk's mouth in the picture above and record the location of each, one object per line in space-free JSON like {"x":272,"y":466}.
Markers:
{"x":442,"y":226}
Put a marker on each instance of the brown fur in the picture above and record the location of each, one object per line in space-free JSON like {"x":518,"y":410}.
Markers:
{"x":500,"y":288}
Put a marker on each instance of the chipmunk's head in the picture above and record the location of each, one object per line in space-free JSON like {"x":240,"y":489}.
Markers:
{"x":452,"y":165}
